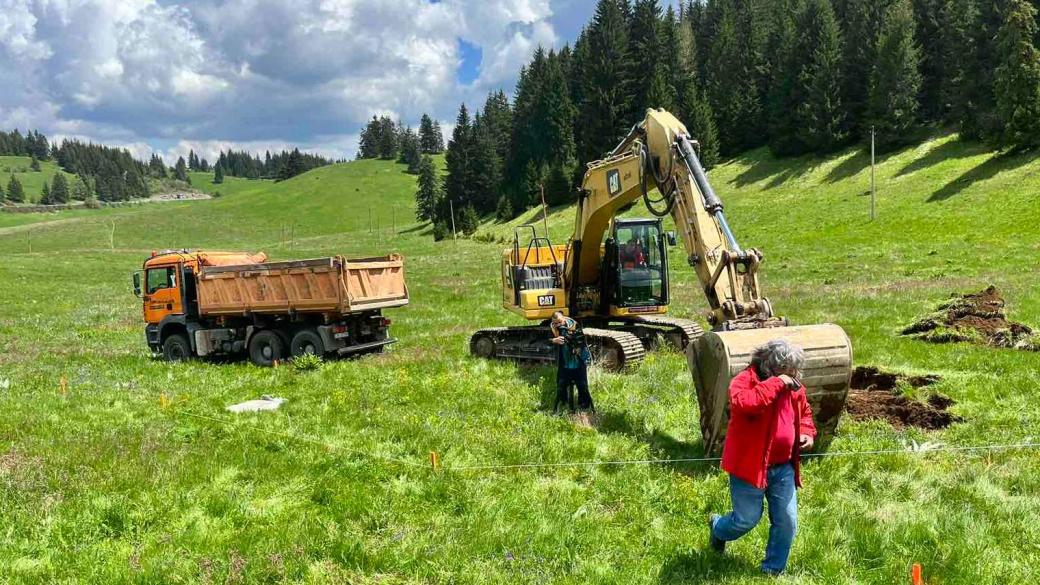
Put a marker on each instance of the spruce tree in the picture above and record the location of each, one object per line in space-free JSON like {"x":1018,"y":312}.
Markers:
{"x":45,"y":196}
{"x":368,"y":146}
{"x":180,"y":171}
{"x":428,"y":190}
{"x":820,"y":112}
{"x":458,"y":161}
{"x":34,"y":165}
{"x":60,"y":189}
{"x":701,"y":125}
{"x":218,"y":174}
{"x":485,"y":168}
{"x":927,"y":16}
{"x":82,"y":188}
{"x":861,"y":31}
{"x":410,"y":150}
{"x":468,"y":221}
{"x":735,"y":65}
{"x":1017,"y":87}
{"x":961,"y":90}
{"x":3,"y":195}
{"x":15,"y":193}
{"x":607,"y":85}
{"x":646,"y":47}
{"x":896,"y":79}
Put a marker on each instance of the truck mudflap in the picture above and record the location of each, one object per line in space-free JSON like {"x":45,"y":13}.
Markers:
{"x":365,"y":346}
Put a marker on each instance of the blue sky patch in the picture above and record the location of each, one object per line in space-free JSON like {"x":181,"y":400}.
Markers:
{"x":472,"y":55}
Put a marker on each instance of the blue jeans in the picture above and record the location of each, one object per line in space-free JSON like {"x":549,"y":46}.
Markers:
{"x":782,"y":499}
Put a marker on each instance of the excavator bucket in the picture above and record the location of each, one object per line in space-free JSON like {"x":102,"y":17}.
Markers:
{"x":716,"y":357}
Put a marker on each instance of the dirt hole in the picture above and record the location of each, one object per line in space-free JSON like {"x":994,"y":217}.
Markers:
{"x":875,"y":395}
{"x":974,"y":318}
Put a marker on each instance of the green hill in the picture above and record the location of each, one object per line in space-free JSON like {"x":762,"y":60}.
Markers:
{"x":101,"y":484}
{"x":31,"y":181}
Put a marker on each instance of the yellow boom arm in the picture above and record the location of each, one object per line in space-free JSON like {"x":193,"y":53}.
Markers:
{"x":658,"y":155}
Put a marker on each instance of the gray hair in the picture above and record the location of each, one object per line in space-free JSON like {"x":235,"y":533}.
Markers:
{"x":777,"y":355}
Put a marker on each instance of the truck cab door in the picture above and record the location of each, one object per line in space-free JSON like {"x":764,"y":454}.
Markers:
{"x":162,"y":293}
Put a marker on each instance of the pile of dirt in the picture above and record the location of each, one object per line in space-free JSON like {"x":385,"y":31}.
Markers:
{"x":976,"y":318}
{"x":874,"y":395}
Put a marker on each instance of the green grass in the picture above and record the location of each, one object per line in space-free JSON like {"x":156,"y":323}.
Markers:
{"x":32,"y":181}
{"x":102,"y":485}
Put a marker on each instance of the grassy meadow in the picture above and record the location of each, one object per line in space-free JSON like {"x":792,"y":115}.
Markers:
{"x":101,"y":484}
{"x":32,"y":181}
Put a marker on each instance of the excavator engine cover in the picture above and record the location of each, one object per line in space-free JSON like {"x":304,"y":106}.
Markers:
{"x":716,"y":357}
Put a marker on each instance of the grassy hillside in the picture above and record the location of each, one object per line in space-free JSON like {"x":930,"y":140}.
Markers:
{"x":31,"y":181}
{"x":100,"y":484}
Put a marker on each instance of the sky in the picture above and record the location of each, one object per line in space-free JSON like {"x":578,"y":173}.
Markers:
{"x":156,"y":76}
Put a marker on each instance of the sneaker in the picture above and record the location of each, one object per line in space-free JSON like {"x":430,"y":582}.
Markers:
{"x":717,"y":544}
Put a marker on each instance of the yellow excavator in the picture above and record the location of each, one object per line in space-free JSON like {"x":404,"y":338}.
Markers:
{"x":613,"y":277}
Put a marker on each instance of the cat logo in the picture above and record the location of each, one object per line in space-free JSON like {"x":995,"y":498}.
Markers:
{"x":546,"y":300}
{"x":614,"y":182}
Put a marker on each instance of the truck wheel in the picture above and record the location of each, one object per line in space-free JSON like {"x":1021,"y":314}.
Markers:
{"x":307,"y":341}
{"x":176,"y":348}
{"x":265,"y":347}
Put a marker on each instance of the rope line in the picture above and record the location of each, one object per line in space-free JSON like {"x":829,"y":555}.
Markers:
{"x":922,"y":449}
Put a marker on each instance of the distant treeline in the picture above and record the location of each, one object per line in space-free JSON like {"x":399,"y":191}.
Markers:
{"x":384,"y":139}
{"x":279,"y":166}
{"x":32,"y":144}
{"x":798,"y":76}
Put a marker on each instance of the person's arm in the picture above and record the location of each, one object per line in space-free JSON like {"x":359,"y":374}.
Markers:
{"x":747,"y":397}
{"x":807,"y":427}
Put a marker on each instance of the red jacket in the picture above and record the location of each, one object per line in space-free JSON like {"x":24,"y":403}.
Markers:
{"x":752,"y":425}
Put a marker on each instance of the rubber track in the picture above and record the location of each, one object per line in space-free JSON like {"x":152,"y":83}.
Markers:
{"x":690,"y":329}
{"x":631,"y":350}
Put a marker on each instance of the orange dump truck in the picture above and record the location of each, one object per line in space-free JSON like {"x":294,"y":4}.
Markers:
{"x":200,"y":303}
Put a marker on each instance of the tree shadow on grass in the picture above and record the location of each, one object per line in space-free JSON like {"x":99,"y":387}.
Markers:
{"x":987,"y":170}
{"x":704,"y":566}
{"x":418,"y":228}
{"x":950,"y":150}
{"x":856,"y":163}
{"x":762,"y":165}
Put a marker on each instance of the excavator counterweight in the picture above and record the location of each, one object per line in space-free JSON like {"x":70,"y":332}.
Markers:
{"x":613,"y":277}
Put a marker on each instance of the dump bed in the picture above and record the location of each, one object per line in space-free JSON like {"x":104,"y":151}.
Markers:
{"x":332,"y":285}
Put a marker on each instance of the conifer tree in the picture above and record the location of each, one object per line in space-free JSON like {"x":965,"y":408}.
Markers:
{"x":218,"y":174}
{"x":3,"y":195}
{"x":410,"y":150}
{"x":82,"y":188}
{"x":1017,"y":87}
{"x":646,"y":45}
{"x":607,"y":85}
{"x":458,"y":161}
{"x":861,"y":31}
{"x":485,"y":167}
{"x":428,"y":190}
{"x":820,"y":113}
{"x":34,"y":165}
{"x":60,"y":189}
{"x":960,"y":90}
{"x":45,"y":197}
{"x":180,"y":171}
{"x":734,"y":68}
{"x":927,"y":15}
{"x":468,"y":221}
{"x":896,"y":79}
{"x":701,"y":124}
{"x":15,"y":193}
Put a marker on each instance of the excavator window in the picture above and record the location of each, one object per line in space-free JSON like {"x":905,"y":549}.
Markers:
{"x":640,"y":265}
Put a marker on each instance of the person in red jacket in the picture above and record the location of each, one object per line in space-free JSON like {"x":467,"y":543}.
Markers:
{"x":770,"y":424}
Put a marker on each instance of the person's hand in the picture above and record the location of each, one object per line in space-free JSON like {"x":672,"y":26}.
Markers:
{"x":805,"y":442}
{"x":559,"y":340}
{"x":789,"y":381}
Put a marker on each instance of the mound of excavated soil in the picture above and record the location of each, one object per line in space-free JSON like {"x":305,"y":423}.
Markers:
{"x":874,"y":396}
{"x":977,"y":318}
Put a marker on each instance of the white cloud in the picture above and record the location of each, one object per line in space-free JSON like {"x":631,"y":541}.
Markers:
{"x":254,"y":74}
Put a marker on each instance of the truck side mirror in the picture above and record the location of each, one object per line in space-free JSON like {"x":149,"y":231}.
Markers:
{"x":137,"y":284}
{"x":671,"y":239}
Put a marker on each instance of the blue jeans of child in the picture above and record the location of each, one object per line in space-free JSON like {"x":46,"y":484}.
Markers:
{"x":782,"y":499}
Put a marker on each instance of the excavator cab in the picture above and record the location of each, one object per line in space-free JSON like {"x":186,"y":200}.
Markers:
{"x":637,"y":279}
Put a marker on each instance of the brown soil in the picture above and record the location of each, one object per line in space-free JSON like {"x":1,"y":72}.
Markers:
{"x":978,"y":318}
{"x":874,"y":395}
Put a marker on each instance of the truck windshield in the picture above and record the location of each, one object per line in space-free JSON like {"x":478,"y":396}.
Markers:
{"x":160,"y":278}
{"x":641,"y":267}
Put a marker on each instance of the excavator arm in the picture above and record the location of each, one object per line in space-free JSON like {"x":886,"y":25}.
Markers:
{"x":658,"y":155}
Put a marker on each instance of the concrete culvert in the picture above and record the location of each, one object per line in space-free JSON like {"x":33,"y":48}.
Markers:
{"x":875,"y":395}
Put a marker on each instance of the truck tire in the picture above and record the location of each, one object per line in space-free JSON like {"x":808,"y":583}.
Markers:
{"x":306,"y":341}
{"x":176,"y":348}
{"x":265,"y":347}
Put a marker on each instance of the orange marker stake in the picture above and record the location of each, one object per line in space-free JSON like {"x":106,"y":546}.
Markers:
{"x":915,"y":575}
{"x":64,"y":385}
{"x":434,"y":460}
{"x":163,"y":401}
